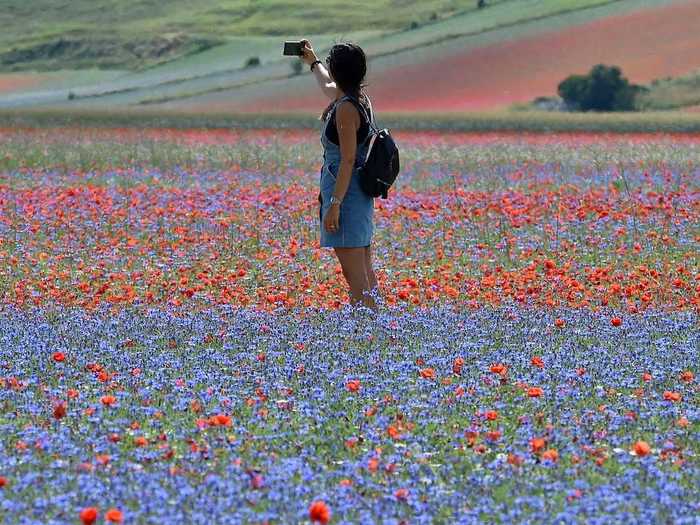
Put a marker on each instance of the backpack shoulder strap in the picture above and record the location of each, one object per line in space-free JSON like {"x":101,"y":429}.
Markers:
{"x":368,"y":118}
{"x":371,"y":111}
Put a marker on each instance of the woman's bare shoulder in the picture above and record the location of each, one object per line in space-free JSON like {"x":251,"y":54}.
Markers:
{"x":347,"y":112}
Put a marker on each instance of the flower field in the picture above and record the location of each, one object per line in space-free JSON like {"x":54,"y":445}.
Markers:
{"x":175,"y":347}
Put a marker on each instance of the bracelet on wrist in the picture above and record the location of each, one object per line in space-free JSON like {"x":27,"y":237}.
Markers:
{"x":311,"y":67}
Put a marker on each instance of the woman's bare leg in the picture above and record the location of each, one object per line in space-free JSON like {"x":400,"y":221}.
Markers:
{"x":352,"y":261}
{"x":371,"y":278}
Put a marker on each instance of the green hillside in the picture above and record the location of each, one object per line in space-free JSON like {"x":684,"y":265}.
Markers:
{"x":672,"y":93}
{"x":222,"y":66}
{"x":132,"y":34}
{"x":196,"y":52}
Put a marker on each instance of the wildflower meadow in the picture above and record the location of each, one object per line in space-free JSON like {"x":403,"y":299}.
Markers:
{"x":175,"y":347}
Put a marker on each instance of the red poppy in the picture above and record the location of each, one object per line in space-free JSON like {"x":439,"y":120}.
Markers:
{"x":616,"y":321}
{"x":672,"y":396}
{"x":319,"y":512}
{"x":114,"y":515}
{"x":427,"y":373}
{"x":515,"y":460}
{"x":537,"y":361}
{"x":457,"y":365}
{"x":88,"y":515}
{"x":221,"y":420}
{"x":401,"y":494}
{"x":537,"y":444}
{"x":352,"y":385}
{"x":641,"y":448}
{"x":59,"y":356}
{"x":687,"y":376}
{"x":559,"y":323}
{"x":493,"y":435}
{"x":499,"y":368}
{"x":59,"y":410}
{"x":491,"y":415}
{"x":108,"y":400}
{"x":535,"y":391}
{"x":551,"y":455}
{"x":3,"y":481}
{"x":393,"y":432}
{"x":373,"y":464}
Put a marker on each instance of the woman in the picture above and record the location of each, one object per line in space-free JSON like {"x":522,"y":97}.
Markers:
{"x":346,"y":211}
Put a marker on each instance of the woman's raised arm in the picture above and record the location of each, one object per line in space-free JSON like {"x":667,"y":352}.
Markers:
{"x":320,"y":72}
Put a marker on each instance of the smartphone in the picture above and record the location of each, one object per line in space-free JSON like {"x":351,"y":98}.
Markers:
{"x":292,"y":47}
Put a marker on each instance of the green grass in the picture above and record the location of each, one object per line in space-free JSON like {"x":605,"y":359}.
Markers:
{"x":129,"y":32}
{"x":504,"y":14}
{"x":536,"y":121}
{"x":219,"y":17}
{"x":137,"y":35}
{"x":456,"y":26}
{"x":672,"y":93}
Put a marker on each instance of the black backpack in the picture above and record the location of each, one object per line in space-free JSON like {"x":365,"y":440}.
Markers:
{"x":381,"y":165}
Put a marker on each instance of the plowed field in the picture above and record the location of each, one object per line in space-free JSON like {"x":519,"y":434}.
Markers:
{"x":646,"y":44}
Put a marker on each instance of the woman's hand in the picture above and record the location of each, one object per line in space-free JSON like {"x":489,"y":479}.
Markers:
{"x":327,"y":85}
{"x":308,"y":55}
{"x":332,"y":219}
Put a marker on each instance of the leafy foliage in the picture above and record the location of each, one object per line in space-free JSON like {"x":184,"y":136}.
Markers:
{"x":602,"y":89}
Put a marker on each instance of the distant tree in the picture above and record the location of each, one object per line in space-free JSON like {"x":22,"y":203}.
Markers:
{"x":252,"y":61}
{"x":603,"y":89}
{"x":605,"y":83}
{"x":481,"y":3}
{"x":573,"y":90}
{"x":628,"y":99}
{"x":414,"y":24}
{"x":297,"y":66}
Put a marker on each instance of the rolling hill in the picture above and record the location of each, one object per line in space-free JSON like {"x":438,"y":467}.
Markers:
{"x":133,"y":34}
{"x":673,"y":93}
{"x":456,"y":58}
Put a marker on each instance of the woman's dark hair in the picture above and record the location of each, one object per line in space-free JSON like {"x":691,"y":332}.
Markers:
{"x":347,"y":64}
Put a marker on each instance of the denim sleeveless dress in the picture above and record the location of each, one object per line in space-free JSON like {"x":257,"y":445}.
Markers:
{"x":355,"y":225}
